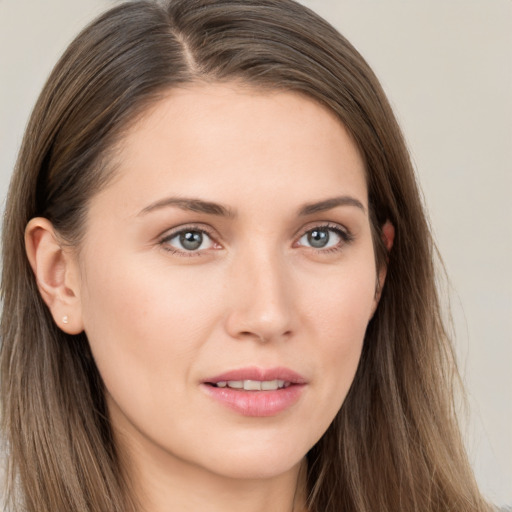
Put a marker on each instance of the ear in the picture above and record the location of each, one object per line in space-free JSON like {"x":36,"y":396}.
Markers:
{"x":388,"y":237}
{"x":57,"y":274}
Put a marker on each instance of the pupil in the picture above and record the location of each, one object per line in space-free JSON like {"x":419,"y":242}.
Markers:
{"x":191,"y":240}
{"x":318,"y":237}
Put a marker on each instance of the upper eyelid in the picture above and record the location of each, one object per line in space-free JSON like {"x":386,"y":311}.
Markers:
{"x":172,"y":232}
{"x":325,"y":224}
{"x":210,"y":231}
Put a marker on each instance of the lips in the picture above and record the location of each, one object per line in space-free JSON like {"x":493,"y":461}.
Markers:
{"x":258,"y":374}
{"x":255,"y":391}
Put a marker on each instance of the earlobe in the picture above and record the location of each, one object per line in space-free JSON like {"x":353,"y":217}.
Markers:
{"x":56,"y":273}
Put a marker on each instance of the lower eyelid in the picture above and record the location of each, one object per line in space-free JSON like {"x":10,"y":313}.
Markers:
{"x":186,"y":254}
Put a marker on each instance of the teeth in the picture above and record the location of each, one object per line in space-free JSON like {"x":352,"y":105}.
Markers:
{"x":254,"y":385}
{"x":269,"y":385}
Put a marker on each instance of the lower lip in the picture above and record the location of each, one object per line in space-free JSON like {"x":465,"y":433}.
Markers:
{"x":256,"y":403}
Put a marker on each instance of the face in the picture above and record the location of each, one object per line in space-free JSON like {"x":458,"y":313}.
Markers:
{"x":227,"y":277}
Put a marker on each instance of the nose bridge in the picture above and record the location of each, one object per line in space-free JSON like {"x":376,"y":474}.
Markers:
{"x":261,"y":294}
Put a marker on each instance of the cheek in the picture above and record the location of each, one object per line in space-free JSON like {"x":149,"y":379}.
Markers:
{"x":145,"y":325}
{"x":341,"y":303}
{"x":335,"y":318}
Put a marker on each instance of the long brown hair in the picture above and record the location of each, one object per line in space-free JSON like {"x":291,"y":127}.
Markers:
{"x":395,"y":443}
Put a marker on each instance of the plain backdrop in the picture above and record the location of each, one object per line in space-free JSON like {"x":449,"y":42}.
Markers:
{"x":447,"y":68}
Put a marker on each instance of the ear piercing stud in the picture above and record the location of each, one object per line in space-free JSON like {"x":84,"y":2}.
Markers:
{"x":65,"y":319}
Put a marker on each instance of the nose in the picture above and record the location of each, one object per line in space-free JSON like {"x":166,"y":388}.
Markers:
{"x":261,"y":298}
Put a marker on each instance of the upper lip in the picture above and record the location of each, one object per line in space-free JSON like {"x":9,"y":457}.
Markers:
{"x":261,"y":374}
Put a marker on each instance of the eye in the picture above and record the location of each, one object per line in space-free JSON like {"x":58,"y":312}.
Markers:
{"x":188,"y":240}
{"x":324,"y":237}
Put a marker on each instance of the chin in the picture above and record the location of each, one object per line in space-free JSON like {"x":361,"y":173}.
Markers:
{"x":259,"y":461}
{"x":259,"y":469}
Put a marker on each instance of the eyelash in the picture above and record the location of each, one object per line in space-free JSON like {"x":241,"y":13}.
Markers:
{"x":345,"y":236}
{"x":164,"y":241}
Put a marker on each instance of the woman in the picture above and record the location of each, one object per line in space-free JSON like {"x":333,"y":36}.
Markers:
{"x":218,"y":279}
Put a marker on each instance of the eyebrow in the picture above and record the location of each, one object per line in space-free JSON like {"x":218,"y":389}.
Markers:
{"x":195,"y":205}
{"x":210,"y":208}
{"x":329,"y":204}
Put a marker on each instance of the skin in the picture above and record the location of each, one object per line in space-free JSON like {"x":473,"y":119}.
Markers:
{"x":161,"y":319}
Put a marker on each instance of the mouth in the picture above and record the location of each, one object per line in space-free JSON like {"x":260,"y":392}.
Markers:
{"x":256,"y":392}
{"x":256,"y":379}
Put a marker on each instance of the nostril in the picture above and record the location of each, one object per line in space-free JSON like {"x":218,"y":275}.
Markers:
{"x":263,"y":338}
{"x":248,"y":334}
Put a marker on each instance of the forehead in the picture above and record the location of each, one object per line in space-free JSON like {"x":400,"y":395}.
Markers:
{"x":237,"y":143}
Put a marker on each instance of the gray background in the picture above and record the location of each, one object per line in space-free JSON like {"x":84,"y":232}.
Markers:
{"x":447,"y":68}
